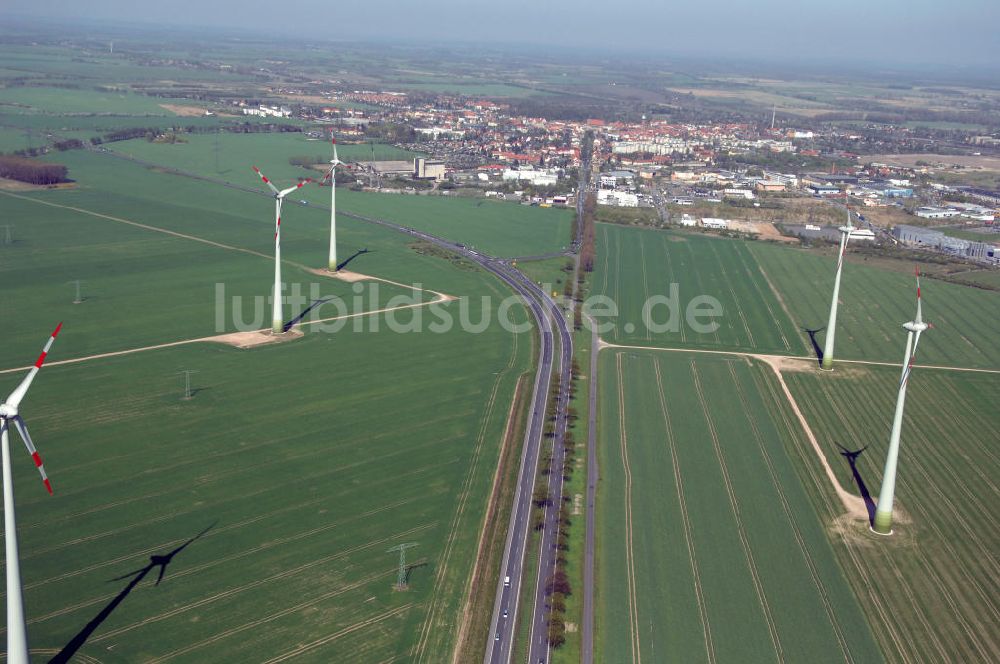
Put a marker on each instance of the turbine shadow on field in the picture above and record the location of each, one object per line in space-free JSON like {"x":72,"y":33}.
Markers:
{"x":852,"y":458}
{"x":305,"y":312}
{"x":350,"y":258}
{"x":138,"y":575}
{"x":815,"y":344}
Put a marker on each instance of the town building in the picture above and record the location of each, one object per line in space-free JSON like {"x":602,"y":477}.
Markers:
{"x":933,"y":212}
{"x":617,"y":198}
{"x":427,"y":169}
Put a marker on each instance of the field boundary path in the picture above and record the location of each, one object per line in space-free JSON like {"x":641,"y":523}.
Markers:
{"x":587,"y":629}
{"x":854,"y":505}
{"x":222,"y":338}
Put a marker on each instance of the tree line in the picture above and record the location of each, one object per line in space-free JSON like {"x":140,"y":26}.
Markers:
{"x":27,"y":170}
{"x":588,"y":251}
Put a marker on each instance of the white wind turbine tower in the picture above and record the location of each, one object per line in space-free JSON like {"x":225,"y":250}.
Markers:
{"x":883,"y":511}
{"x":831,"y":326}
{"x":333,"y":205}
{"x":17,"y":636}
{"x":277,"y":322}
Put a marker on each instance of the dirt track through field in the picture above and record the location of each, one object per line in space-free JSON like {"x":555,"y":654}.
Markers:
{"x":854,"y":505}
{"x":737,"y":516}
{"x":685,"y":518}
{"x":633,"y":592}
{"x":220,"y":338}
{"x":793,"y":525}
{"x":439,"y":298}
{"x":298,"y":650}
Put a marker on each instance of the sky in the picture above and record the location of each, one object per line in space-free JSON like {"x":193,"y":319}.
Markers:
{"x":958,"y":32}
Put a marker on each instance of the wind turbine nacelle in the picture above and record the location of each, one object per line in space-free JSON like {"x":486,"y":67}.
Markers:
{"x":7,"y":411}
{"x":846,"y":229}
{"x":916,"y":327}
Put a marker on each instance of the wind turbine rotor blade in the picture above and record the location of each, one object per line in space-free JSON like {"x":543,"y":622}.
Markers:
{"x":14,"y":400}
{"x":266,"y":181}
{"x":301,"y":184}
{"x":913,"y":358}
{"x":22,"y":429}
{"x":919,"y":318}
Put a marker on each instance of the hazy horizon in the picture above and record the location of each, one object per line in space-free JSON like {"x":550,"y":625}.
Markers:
{"x":893,"y":33}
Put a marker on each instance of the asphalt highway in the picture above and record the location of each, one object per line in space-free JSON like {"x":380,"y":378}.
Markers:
{"x":545,"y":312}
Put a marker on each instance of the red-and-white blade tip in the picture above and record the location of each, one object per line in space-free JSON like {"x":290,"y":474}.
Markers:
{"x":262,"y":176}
{"x":37,"y":458}
{"x":333,"y":140}
{"x":304,"y":182}
{"x":45,"y":351}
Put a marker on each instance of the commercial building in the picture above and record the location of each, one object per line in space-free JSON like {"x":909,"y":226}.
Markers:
{"x":938,"y":241}
{"x":823,"y":190}
{"x":426,"y":169}
{"x":931,"y":212}
{"x":718,"y":224}
{"x":617,"y":198}
{"x":538,"y":178}
{"x":769,"y":185}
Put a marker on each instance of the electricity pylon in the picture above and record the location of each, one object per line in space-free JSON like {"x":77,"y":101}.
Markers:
{"x":401,"y":577}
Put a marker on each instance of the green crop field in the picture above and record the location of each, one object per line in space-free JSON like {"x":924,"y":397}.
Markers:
{"x":498,"y":228}
{"x":88,"y":126}
{"x":460,"y":87}
{"x":308,"y":459}
{"x":75,"y":67}
{"x":140,"y":287}
{"x":708,"y":547}
{"x":15,"y":139}
{"x":771,"y":295}
{"x":634,"y":265}
{"x":931,"y":589}
{"x":874,"y":305}
{"x":985,"y":278}
{"x":237,"y":152}
{"x":61,"y":100}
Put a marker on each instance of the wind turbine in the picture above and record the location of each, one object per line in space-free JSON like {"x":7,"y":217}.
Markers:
{"x":17,"y":636}
{"x":333,"y":205}
{"x":831,"y":326}
{"x":883,"y":512}
{"x":277,"y":322}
